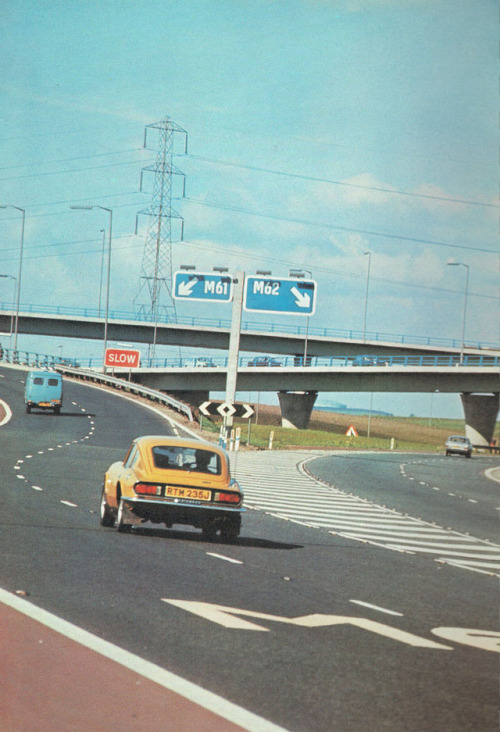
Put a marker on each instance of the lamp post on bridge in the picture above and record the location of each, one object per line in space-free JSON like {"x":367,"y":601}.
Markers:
{"x":369,"y":255}
{"x":452,"y":263}
{"x":90,"y":208}
{"x":23,"y":213}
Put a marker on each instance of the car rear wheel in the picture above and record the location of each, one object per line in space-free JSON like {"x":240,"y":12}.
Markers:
{"x":121,"y":526}
{"x":107,"y":515}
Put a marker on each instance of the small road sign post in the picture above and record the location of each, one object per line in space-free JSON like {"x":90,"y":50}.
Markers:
{"x":203,"y":286}
{"x":286,"y":295}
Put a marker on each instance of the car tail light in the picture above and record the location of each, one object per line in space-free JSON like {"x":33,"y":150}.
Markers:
{"x":148,"y":489}
{"x":228,"y":497}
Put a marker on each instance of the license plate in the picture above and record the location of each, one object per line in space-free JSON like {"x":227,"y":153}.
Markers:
{"x":44,"y":404}
{"x":197,"y":494}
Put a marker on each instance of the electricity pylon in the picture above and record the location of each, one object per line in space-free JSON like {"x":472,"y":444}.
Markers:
{"x":156,"y":271}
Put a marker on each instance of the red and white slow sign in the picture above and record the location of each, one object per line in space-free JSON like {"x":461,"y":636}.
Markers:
{"x":120,"y":357}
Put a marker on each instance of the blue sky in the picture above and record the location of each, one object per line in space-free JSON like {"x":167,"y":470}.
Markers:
{"x":317,"y":131}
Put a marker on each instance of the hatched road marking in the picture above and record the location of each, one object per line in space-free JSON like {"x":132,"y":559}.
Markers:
{"x":276,"y":483}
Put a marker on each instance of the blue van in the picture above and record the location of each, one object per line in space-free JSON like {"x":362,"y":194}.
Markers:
{"x":43,"y":391}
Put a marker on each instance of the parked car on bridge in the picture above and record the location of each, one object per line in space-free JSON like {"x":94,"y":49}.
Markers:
{"x":369,"y":360}
{"x":264,"y":361}
{"x":173,"y":480}
{"x":203,"y":363}
{"x":458,"y":445}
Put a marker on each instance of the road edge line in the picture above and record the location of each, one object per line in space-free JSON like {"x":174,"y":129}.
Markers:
{"x":196,"y":694}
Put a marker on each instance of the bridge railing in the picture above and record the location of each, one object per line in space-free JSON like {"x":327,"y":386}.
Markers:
{"x":259,"y":326}
{"x":37,"y":360}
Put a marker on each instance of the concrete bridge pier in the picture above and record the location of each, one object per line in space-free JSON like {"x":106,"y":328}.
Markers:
{"x":296,"y":408}
{"x":481,"y":412}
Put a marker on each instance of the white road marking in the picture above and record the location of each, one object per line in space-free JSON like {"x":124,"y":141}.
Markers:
{"x":68,"y":503}
{"x":294,"y":495}
{"x":221,"y":556}
{"x":196,"y":694}
{"x":376,"y":607}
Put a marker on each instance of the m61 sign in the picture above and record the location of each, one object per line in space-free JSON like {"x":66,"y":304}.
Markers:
{"x":125,"y":358}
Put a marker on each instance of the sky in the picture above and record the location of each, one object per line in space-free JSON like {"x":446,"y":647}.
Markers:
{"x":317,"y":130}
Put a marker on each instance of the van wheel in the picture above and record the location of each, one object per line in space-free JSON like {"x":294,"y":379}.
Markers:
{"x":57,"y":410}
{"x":28,"y":409}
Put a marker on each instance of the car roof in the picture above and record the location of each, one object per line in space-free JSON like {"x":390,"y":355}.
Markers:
{"x":150,"y":441}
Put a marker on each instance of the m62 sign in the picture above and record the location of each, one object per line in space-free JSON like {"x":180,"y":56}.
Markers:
{"x":124,"y":358}
{"x":280,"y":295}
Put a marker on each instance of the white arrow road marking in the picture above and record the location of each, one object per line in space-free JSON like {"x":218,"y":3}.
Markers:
{"x":225,"y":616}
{"x":303,"y":300}
{"x":484,"y":639}
{"x":186,"y":288}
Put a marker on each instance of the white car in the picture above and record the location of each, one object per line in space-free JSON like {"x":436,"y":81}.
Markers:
{"x":458,"y":445}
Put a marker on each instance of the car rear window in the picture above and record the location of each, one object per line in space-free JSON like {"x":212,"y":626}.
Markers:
{"x":168,"y":457}
{"x":53,"y":382}
{"x":38,"y":380}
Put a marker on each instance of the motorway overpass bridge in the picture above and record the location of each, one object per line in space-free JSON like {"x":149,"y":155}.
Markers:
{"x":208,"y":333}
{"x":297,"y":387}
{"x":479,"y":386}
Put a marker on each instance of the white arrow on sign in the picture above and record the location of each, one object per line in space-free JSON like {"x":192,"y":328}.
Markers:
{"x":248,"y":411}
{"x":186,"y":288}
{"x":303,"y":299}
{"x":204,"y":408}
{"x":226,"y":410}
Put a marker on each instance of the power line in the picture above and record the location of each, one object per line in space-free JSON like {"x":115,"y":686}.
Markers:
{"x":69,"y":160}
{"x":322,"y":225}
{"x":316,"y":179}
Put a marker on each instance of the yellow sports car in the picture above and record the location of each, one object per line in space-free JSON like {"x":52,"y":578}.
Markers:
{"x":172,"y":480}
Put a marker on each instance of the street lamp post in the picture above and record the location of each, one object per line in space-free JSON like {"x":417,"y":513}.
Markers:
{"x":103,"y":232}
{"x":110,"y":211}
{"x":23,"y":212}
{"x":369,"y":255}
{"x":452,"y":263}
{"x":302,"y":273}
{"x":14,"y":280}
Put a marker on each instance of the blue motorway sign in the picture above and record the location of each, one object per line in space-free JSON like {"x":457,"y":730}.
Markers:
{"x":284,"y":295}
{"x":207,"y":286}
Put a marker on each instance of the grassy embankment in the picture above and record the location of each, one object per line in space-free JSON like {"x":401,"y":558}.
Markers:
{"x":327,"y":430}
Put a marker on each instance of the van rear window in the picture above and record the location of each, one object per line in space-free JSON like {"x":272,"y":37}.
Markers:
{"x":38,"y":380}
{"x":53,"y":382}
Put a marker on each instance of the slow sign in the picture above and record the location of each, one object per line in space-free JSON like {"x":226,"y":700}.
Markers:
{"x":128,"y":358}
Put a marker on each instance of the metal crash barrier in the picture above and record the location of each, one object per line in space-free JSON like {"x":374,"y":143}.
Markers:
{"x":128,"y":386}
